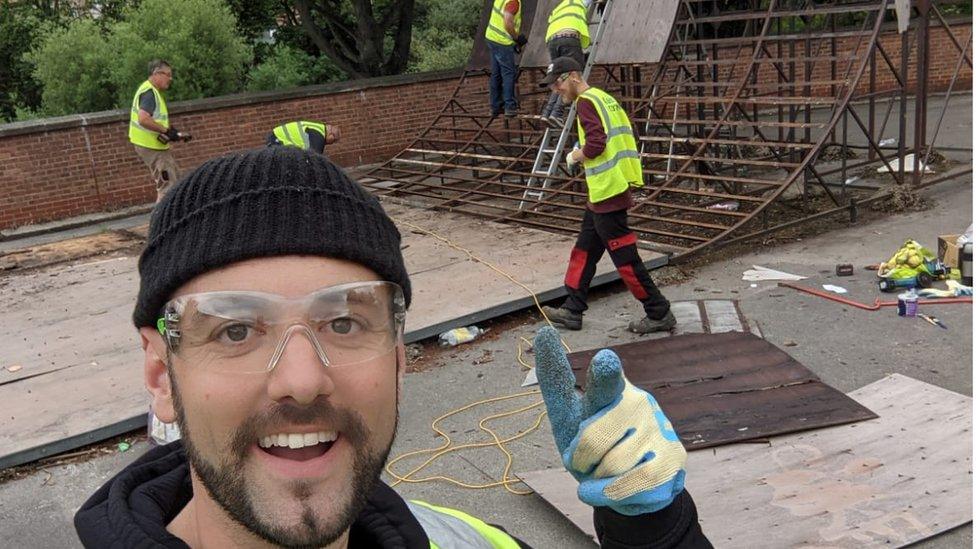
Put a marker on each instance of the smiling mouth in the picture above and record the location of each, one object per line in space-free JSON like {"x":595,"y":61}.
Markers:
{"x":298,"y":446}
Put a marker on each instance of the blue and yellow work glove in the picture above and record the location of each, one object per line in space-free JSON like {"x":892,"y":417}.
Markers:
{"x":615,"y":440}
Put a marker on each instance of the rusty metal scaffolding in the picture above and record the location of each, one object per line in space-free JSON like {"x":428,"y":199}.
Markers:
{"x":747,"y":125}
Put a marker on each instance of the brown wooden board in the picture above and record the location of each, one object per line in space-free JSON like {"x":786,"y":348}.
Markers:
{"x":729,"y":387}
{"x":636,"y":32}
{"x":887,"y":482}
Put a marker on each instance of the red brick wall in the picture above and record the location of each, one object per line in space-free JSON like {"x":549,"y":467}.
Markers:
{"x":49,"y":170}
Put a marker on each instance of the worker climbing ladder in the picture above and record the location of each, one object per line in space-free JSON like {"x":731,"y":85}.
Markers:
{"x":553,"y":142}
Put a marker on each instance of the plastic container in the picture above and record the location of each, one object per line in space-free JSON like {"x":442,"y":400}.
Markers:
{"x":908,"y":303}
{"x":458,"y":336}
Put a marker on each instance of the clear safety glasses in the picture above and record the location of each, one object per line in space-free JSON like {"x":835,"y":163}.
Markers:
{"x":247,"y":332}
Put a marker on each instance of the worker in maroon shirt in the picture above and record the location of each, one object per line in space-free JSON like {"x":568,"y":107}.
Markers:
{"x":612,"y":166}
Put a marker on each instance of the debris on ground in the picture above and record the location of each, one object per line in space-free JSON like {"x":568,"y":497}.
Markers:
{"x":904,"y":198}
{"x":759,"y":273}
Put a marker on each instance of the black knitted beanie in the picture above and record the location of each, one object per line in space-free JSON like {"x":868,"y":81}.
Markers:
{"x":266,"y":202}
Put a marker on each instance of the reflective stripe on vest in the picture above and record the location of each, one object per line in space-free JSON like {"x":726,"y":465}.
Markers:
{"x":293,"y":134}
{"x":618,"y":166}
{"x":139,"y":135}
{"x":495,"y":31}
{"x":452,"y":529}
{"x":569,"y":15}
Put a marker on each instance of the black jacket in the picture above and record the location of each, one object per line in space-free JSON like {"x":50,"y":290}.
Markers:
{"x":133,"y":508}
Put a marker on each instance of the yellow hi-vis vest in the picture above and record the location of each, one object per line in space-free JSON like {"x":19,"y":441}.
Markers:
{"x":569,"y":15}
{"x":618,"y":166}
{"x":452,"y":529}
{"x":293,"y":134}
{"x":496,"y":24}
{"x":141,"y":136}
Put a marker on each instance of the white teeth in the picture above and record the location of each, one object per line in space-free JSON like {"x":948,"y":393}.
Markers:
{"x":296,"y":440}
{"x":327,"y":436}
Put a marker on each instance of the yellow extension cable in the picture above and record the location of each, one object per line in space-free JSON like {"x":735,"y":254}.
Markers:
{"x":448,"y":445}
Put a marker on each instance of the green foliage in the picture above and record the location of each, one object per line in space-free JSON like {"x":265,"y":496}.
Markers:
{"x":286,"y":67}
{"x":19,"y":28}
{"x":73,"y":64}
{"x":445,"y":34}
{"x":198,"y":37}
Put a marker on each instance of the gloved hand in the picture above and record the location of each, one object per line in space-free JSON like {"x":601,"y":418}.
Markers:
{"x":171,"y":134}
{"x":616,"y":440}
{"x":520,"y":42}
{"x":571,"y":161}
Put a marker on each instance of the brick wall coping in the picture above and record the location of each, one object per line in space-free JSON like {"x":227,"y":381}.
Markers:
{"x":232,"y":100}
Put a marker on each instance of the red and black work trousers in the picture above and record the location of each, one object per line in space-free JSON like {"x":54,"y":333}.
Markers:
{"x":609,"y":231}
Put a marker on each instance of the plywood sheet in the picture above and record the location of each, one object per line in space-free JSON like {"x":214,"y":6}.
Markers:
{"x":886,"y":482}
{"x":80,"y":378}
{"x":728,"y":387}
{"x":636,"y":32}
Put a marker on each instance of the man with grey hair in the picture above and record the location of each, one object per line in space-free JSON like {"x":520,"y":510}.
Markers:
{"x":149,"y":129}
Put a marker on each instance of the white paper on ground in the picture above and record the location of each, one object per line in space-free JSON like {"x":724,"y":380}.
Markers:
{"x":835,"y":289}
{"x":758,"y":273}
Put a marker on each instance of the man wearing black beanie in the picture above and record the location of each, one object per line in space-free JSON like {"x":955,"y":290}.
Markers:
{"x":271,"y":308}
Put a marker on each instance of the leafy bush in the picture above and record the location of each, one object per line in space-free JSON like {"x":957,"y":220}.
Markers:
{"x":74,"y":66}
{"x":198,"y":37}
{"x":286,"y":67}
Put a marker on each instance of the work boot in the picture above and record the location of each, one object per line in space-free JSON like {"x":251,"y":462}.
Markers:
{"x":556,"y":121}
{"x":564,"y":317}
{"x":648,"y":325}
{"x":511,"y":113}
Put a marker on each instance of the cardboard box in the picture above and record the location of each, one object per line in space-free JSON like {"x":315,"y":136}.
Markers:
{"x":949,"y":252}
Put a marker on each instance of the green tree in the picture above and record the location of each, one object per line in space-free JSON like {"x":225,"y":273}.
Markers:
{"x":20,"y":28}
{"x":73,"y":65}
{"x":286,"y":67}
{"x":362,"y":37}
{"x":198,"y":37}
{"x":445,"y":33}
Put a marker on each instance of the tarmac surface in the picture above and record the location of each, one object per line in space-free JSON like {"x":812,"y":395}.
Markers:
{"x":846,"y":347}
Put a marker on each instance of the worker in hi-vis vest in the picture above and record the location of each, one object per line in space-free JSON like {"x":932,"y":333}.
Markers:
{"x":149,"y":129}
{"x":504,"y":39}
{"x":303,"y":134}
{"x":612,"y":166}
{"x":567,"y":35}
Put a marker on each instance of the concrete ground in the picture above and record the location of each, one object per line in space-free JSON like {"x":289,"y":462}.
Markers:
{"x":848,"y":348}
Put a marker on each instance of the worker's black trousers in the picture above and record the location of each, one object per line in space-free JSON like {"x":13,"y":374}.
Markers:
{"x":609,"y":231}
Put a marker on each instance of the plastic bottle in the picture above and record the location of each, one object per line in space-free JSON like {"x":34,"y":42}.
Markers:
{"x":458,"y":336}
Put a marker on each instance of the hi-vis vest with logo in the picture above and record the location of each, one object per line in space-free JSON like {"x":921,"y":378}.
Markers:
{"x":452,"y":529}
{"x":293,"y":134}
{"x":618,"y":166}
{"x":496,"y":24}
{"x":141,"y":136}
{"x":569,"y":15}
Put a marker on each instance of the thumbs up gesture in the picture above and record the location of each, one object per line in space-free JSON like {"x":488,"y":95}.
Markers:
{"x":615,"y":440}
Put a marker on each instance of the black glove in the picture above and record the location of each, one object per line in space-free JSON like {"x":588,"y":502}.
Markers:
{"x":172,"y":134}
{"x":520,"y":43}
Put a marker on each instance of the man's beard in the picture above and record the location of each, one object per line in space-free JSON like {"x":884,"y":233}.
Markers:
{"x":226,"y":484}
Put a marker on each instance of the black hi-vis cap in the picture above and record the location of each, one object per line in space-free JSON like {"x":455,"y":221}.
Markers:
{"x":559,"y":67}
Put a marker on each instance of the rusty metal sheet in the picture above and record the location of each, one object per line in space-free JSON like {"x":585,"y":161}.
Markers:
{"x":729,"y":387}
